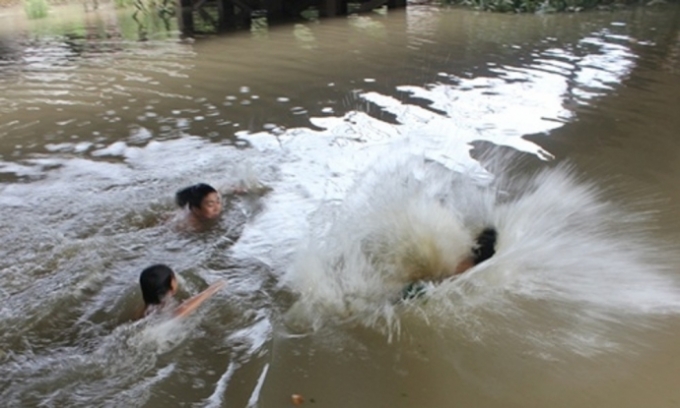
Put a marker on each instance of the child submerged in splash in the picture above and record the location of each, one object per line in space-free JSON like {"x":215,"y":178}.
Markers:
{"x":485,"y":248}
{"x":159,"y":285}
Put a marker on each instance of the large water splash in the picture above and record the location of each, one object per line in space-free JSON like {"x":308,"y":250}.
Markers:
{"x":564,"y":253}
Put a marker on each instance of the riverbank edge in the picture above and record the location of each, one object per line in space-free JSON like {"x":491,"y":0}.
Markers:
{"x":7,"y":7}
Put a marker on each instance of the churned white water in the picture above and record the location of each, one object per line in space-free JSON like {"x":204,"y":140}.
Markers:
{"x":361,"y":181}
{"x":566,"y":252}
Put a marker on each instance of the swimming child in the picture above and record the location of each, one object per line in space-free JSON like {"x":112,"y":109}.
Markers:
{"x":159,"y":285}
{"x":484,"y":249}
{"x":203,"y":200}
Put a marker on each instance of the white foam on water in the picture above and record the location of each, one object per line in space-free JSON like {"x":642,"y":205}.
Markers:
{"x":254,"y":337}
{"x":372,"y":210}
{"x":127,"y":357}
{"x":215,"y":400}
{"x":246,"y":343}
{"x":564,"y":253}
{"x":366,"y":211}
{"x":255,"y":396}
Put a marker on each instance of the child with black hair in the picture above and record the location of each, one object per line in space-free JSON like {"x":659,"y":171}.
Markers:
{"x":485,"y":248}
{"x":203,"y":201}
{"x":159,"y":285}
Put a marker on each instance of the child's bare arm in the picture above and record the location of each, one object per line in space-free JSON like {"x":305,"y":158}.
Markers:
{"x":192,"y":303}
{"x":464,"y":265}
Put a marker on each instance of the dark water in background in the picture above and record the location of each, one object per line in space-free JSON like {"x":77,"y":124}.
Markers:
{"x":98,"y":129}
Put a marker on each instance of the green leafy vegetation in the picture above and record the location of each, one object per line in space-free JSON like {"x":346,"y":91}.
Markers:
{"x":119,"y":4}
{"x":35,"y":9}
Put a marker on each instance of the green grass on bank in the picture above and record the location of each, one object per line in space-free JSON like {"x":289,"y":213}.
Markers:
{"x":35,"y":9}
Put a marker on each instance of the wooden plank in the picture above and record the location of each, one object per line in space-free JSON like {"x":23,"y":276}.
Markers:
{"x":370,"y":5}
{"x":230,"y":12}
{"x":207,"y":17}
{"x":243,"y":6}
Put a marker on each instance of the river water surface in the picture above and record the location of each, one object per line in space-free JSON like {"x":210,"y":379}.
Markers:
{"x":402,"y":131}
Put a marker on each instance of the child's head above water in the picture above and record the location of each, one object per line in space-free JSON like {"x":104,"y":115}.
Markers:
{"x":157,"y":282}
{"x":203,"y":200}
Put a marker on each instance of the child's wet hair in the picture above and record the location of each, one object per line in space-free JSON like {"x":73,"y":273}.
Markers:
{"x":486,"y":245}
{"x":193,"y":195}
{"x":156,"y":282}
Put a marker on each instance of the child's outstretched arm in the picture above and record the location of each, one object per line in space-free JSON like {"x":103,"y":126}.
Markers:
{"x":192,"y":303}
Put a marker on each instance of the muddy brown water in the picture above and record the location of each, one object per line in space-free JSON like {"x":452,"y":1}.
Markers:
{"x":99,"y":129}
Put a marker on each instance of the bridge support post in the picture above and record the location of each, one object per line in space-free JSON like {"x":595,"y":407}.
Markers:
{"x":186,"y":16}
{"x":332,"y":8}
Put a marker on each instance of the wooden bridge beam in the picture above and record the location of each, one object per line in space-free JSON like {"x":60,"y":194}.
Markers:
{"x":186,"y":16}
{"x":332,"y":8}
{"x":228,"y":16}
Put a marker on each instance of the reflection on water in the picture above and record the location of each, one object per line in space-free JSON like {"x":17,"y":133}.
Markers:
{"x":360,"y":128}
